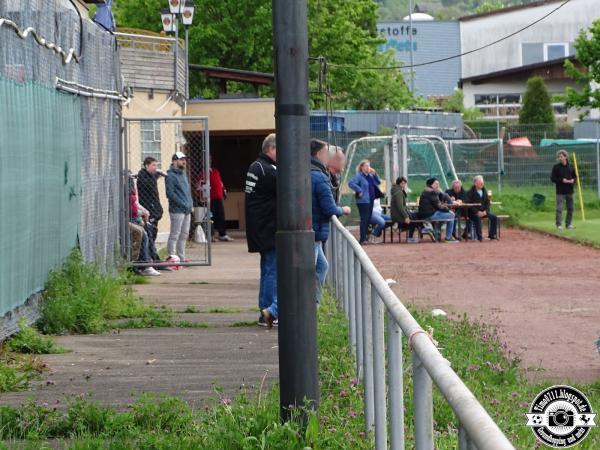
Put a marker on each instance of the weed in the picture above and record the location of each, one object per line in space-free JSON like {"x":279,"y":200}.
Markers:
{"x":198,"y":282}
{"x":17,"y":371}
{"x":222,"y":310}
{"x":190,"y":310}
{"x":244,"y":323}
{"x":79,"y":298}
{"x":29,"y":340}
{"x":188,"y":324}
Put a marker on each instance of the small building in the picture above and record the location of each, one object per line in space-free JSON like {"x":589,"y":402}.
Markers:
{"x":494,"y":77}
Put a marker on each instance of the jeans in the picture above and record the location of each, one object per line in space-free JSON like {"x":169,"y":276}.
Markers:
{"x":560,"y":198}
{"x":139,"y":243}
{"x":379,"y":221}
{"x":218,"y":214}
{"x":443,"y":215}
{"x":180,"y":228}
{"x":476,"y":224}
{"x":365,"y":210}
{"x":151,"y":228}
{"x":322,"y":267}
{"x":267,"y":292}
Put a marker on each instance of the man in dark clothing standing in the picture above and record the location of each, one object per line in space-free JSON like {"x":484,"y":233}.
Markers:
{"x":564,"y":177}
{"x":336,"y":168}
{"x":261,"y":225}
{"x":478,"y":194}
{"x":148,"y":197}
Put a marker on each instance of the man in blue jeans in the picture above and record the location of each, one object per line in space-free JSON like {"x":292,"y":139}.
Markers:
{"x":431,"y":207}
{"x":323,"y":205}
{"x":261,"y":225}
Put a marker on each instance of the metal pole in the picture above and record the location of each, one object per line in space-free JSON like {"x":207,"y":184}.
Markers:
{"x":187,"y":63}
{"x":345,"y":273}
{"x":423,"y":405}
{"x":395,"y":384}
{"x":378,"y":317}
{"x":410,"y":38}
{"x":367,"y":353}
{"x":351,"y":298}
{"x":295,"y":241}
{"x":358,"y":317}
{"x":464,"y":442}
{"x":176,"y":23}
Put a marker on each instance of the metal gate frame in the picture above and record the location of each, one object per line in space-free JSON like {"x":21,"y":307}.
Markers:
{"x":124,"y":209}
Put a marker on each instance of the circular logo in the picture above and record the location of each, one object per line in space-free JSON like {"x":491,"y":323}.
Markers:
{"x":560,"y":416}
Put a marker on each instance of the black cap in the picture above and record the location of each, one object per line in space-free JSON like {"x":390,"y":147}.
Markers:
{"x":430,"y":181}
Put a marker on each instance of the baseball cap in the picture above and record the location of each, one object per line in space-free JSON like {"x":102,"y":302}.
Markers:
{"x":178,"y":155}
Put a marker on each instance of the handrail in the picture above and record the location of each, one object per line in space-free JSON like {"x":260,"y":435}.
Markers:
{"x":477,"y":427}
{"x":144,"y":37}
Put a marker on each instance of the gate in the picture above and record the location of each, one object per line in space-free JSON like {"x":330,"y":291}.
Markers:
{"x":149,"y":231}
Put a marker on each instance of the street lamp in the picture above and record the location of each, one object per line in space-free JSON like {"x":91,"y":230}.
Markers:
{"x":179,"y":11}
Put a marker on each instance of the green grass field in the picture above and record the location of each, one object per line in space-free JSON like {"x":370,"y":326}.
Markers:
{"x":517,"y":202}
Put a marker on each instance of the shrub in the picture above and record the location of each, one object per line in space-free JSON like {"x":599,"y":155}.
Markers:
{"x":29,"y":340}
{"x":536,"y":107}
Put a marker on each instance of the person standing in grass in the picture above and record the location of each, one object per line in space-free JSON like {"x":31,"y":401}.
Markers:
{"x":564,"y":177}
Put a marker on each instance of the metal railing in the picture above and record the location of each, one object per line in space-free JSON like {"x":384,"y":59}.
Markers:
{"x":366,"y":299}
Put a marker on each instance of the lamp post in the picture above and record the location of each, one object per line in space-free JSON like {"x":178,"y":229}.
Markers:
{"x":179,"y":11}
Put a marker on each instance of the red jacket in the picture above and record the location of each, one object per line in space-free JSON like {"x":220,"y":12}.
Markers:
{"x":217,"y":188}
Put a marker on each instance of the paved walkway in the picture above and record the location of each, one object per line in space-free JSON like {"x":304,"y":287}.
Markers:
{"x":114,"y":368}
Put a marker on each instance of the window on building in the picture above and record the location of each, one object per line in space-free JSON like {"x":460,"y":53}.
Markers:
{"x":150,"y":139}
{"x":507,"y":106}
{"x":555,"y":51}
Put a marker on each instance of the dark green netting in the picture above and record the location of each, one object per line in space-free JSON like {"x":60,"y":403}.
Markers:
{"x":40,"y":147}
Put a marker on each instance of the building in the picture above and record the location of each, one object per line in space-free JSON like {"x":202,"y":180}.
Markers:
{"x":431,"y":40}
{"x":493,"y":79}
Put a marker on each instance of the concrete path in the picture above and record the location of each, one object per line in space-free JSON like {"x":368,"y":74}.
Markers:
{"x":114,"y":368}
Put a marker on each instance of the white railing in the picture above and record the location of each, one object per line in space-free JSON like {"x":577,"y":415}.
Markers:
{"x":366,"y":299}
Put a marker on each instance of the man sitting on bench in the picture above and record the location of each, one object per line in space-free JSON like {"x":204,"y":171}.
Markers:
{"x":458,"y":194}
{"x":432,"y":208}
{"x":400,"y":213}
{"x":478,"y":194}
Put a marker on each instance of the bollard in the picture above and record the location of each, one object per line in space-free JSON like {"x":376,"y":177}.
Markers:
{"x":379,"y":389}
{"x":423,"y":405}
{"x":395,"y":384}
{"x":367,"y":353}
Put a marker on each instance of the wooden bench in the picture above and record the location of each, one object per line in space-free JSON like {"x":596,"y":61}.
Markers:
{"x":389,"y":224}
{"x":500,"y":218}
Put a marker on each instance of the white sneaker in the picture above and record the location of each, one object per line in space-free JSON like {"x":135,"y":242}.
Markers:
{"x":150,"y":272}
{"x":570,"y":227}
{"x":559,"y":227}
{"x":413,"y":240}
{"x":225,"y":238}
{"x":375,"y":240}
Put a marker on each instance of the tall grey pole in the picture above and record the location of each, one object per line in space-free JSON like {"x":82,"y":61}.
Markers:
{"x":410,"y":38}
{"x":176,"y":23}
{"x":187,"y":63}
{"x":298,"y":365}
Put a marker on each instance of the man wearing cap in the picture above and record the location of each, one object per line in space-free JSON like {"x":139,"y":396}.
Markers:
{"x":431,"y":207}
{"x":180,"y":205}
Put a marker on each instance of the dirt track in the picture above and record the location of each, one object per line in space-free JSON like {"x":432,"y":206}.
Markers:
{"x":541,"y":292}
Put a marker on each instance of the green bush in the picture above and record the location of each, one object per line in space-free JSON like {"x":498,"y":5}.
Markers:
{"x":29,"y":340}
{"x":537,"y":106}
{"x":79,"y":298}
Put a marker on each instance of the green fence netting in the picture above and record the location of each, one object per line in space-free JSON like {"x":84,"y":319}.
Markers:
{"x":40,"y":147}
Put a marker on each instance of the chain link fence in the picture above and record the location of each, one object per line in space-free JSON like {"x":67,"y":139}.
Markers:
{"x":167,"y":221}
{"x":59,"y":151}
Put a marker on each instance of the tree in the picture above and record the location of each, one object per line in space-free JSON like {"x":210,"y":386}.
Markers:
{"x":238,"y":34}
{"x":536,"y":107}
{"x":587,"y":50}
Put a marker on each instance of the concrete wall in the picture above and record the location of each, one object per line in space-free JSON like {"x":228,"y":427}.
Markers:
{"x":563,"y":26}
{"x":431,"y":40}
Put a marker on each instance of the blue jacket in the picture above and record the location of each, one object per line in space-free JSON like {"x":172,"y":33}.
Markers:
{"x":323,"y":203}
{"x":178,"y":192}
{"x":360,"y":184}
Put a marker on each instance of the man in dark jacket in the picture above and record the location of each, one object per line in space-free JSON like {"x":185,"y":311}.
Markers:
{"x":478,"y":194}
{"x":261,"y":225}
{"x":564,"y":177}
{"x":180,"y":205}
{"x":323,"y":205}
{"x":336,"y":168}
{"x":148,"y":197}
{"x":458,"y":195}
{"x":399,"y":212}
{"x":431,"y":207}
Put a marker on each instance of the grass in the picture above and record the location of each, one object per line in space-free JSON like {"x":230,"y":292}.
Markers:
{"x":17,"y":371}
{"x":516,"y":201}
{"x":222,"y":310}
{"x":29,"y":340}
{"x":474,"y":350}
{"x":244,"y":323}
{"x":80,"y":299}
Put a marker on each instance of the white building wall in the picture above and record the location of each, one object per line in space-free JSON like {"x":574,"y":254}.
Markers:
{"x":563,"y":26}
